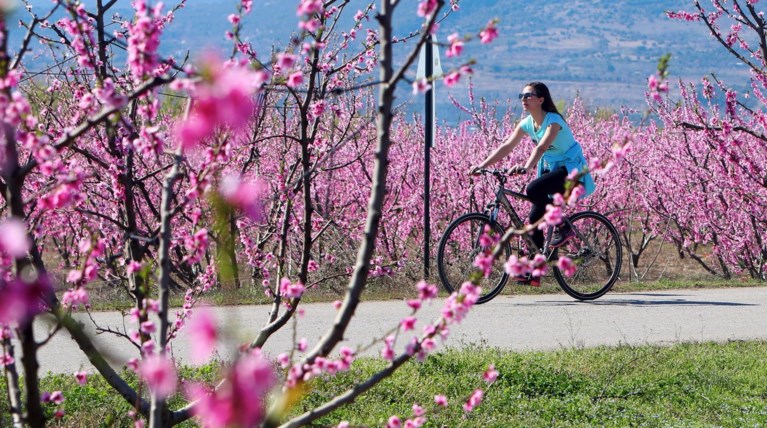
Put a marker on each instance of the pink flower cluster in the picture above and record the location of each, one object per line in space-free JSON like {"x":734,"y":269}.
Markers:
{"x":536,"y":267}
{"x":14,"y":240}
{"x":196,"y":245}
{"x":452,"y":78}
{"x":81,"y":30}
{"x":223,"y":99}
{"x":240,"y":400}
{"x":22,"y":299}
{"x":657,"y":87}
{"x":456,"y":45}
{"x":489,"y":33}
{"x":291,"y":290}
{"x":159,"y":373}
{"x":245,"y":196}
{"x":144,"y":40}
{"x":458,"y":304}
{"x":426,"y":8}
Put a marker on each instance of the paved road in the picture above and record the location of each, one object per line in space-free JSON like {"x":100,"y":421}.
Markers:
{"x":510,"y":322}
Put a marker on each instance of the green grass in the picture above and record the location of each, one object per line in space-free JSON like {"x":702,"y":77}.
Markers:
{"x":683,"y":385}
{"x":686,"y":385}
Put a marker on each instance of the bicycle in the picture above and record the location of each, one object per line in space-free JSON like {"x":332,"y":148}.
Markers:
{"x":595,"y":249}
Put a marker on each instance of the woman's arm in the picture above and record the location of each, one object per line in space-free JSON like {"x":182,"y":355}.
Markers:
{"x":548,"y":138}
{"x":501,"y":151}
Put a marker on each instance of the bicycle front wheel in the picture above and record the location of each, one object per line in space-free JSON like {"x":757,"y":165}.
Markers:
{"x":597,"y":254}
{"x":460,"y":245}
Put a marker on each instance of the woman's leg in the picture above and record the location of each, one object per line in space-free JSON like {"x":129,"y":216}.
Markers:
{"x":538,"y":191}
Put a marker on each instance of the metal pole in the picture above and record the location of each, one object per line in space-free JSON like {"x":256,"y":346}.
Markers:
{"x":428,"y":137}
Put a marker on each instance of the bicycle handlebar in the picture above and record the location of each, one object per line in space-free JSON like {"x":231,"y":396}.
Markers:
{"x":498,"y":172}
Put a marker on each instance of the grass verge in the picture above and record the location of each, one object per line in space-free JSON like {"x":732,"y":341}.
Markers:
{"x":691,"y":385}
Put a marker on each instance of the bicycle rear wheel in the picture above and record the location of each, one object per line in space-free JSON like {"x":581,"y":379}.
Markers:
{"x":460,"y":245}
{"x":597,"y":253}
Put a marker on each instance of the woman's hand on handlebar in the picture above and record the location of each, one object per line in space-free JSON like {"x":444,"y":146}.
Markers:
{"x":518,"y":169}
{"x":474,"y":170}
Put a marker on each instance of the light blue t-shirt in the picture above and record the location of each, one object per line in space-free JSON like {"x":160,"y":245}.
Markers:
{"x":563,"y":151}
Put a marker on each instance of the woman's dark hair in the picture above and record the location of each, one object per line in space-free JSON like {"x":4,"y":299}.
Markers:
{"x":542,"y":90}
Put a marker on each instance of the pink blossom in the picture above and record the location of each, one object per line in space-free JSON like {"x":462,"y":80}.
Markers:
{"x":491,"y":374}
{"x":489,"y":33}
{"x":343,"y":424}
{"x":21,"y":300}
{"x":553,"y":215}
{"x":291,"y":290}
{"x":203,"y":333}
{"x":474,"y":400}
{"x":285,"y":61}
{"x":456,"y":45}
{"x":81,"y":377}
{"x":426,"y":291}
{"x":387,"y":353}
{"x":244,"y":195}
{"x":133,"y":266}
{"x":538,"y":266}
{"x":577,"y":192}
{"x":394,"y":422}
{"x":620,"y":151}
{"x":6,"y":360}
{"x":160,"y":374}
{"x":223,"y":98}
{"x":567,"y":266}
{"x":148,"y":327}
{"x":295,"y":79}
{"x":451,"y":79}
{"x":418,"y":410}
{"x":420,"y":86}
{"x":13,"y":237}
{"x":310,"y":25}
{"x":485,"y":263}
{"x":440,"y":400}
{"x":408,"y":323}
{"x":284,"y":360}
{"x":74,"y":298}
{"x":426,"y":8}
{"x":414,"y":304}
{"x":240,"y":399}
{"x":56,"y":397}
{"x":515,"y":266}
{"x":308,"y":7}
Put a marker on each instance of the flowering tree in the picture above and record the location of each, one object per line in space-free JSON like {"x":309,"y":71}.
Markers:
{"x":107,"y":179}
{"x":720,"y":166}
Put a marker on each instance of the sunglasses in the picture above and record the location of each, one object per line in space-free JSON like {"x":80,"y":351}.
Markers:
{"x":527,"y":95}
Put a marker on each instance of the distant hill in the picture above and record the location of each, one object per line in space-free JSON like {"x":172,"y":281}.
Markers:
{"x":602,"y":49}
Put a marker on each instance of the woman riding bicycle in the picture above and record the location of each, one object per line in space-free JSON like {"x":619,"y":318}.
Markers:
{"x":555,"y":155}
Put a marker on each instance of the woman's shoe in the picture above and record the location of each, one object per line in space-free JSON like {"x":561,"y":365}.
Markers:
{"x":560,"y":236}
{"x":528,"y":279}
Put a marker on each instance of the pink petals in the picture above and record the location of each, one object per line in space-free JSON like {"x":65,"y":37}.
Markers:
{"x":240,"y":400}
{"x":222,"y":100}
{"x":159,"y":373}
{"x":203,"y":332}
{"x":13,"y":237}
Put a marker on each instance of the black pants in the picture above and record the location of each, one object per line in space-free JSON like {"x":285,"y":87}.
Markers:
{"x":538,"y":191}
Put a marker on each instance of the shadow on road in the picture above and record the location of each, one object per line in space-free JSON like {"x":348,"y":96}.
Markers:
{"x":607,"y":301}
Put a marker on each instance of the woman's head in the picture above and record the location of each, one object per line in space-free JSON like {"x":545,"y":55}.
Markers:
{"x":541,"y":91}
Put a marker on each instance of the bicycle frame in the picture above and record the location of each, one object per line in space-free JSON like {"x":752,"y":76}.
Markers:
{"x":501,"y":200}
